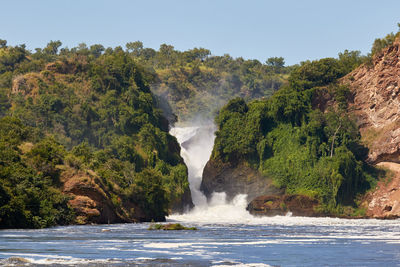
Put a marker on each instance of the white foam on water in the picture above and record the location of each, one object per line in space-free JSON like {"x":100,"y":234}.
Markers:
{"x":167,"y":245}
{"x":44,"y":259}
{"x":10,"y":235}
{"x":218,"y":210}
{"x":189,"y":251}
{"x":24,"y":259}
{"x":243,"y":265}
{"x":35,"y":255}
{"x":237,"y":264}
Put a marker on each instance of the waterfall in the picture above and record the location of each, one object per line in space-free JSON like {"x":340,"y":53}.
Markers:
{"x":196,"y":146}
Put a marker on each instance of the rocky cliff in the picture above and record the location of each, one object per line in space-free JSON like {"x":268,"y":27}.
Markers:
{"x":375,"y":103}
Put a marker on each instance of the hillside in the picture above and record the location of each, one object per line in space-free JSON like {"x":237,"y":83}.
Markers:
{"x":373,"y":101}
{"x":82,"y":140}
{"x":324,"y":144}
{"x":309,"y":150}
{"x":84,"y":132}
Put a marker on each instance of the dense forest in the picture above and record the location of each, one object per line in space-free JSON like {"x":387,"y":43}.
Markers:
{"x":80,"y":110}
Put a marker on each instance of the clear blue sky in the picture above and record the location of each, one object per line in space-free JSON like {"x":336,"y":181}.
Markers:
{"x":294,"y":29}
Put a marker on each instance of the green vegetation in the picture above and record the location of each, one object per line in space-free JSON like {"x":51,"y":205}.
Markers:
{"x":169,"y":226}
{"x":29,"y":196}
{"x":305,"y":151}
{"x":381,"y":43}
{"x":194,"y":82}
{"x":89,"y":109}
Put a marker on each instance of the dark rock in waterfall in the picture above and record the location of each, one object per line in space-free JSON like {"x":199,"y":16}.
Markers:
{"x":235,"y":179}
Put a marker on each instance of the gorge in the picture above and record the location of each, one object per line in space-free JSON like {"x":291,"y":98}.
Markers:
{"x":196,"y":146}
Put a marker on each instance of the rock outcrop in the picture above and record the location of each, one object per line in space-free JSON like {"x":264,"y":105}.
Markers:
{"x":93,"y":204}
{"x":235,"y":179}
{"x":375,"y":104}
{"x":273,"y":205}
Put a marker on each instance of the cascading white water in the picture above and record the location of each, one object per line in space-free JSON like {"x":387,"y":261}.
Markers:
{"x":196,"y":146}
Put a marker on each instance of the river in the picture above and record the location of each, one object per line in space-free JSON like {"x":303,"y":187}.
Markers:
{"x":227,"y":234}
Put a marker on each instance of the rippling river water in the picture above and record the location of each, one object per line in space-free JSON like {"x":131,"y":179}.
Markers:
{"x":276,"y":241}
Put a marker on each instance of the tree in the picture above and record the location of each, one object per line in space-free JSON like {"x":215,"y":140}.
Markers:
{"x":166,"y":50}
{"x":350,"y":60}
{"x":96,"y":50}
{"x":277,"y":63}
{"x":3,"y":43}
{"x":197,"y":54}
{"x":135,"y":48}
{"x":52,"y":47}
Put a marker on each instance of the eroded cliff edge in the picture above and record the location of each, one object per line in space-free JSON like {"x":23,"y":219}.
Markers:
{"x":375,"y":103}
{"x":376,"y":106}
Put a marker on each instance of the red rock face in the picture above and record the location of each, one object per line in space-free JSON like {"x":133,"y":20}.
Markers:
{"x":376,"y":104}
{"x":93,"y":204}
{"x":89,"y":201}
{"x":384,"y":201}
